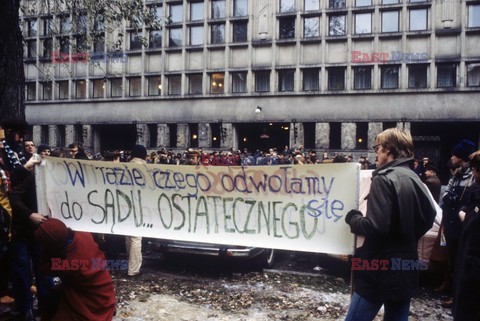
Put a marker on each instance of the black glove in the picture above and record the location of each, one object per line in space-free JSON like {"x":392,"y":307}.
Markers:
{"x":351,"y":214}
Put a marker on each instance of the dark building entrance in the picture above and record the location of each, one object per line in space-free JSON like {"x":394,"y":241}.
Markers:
{"x":436,"y":140}
{"x":116,"y":137}
{"x":263,"y":136}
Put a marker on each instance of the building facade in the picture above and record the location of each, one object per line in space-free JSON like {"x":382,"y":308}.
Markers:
{"x":328,"y":75}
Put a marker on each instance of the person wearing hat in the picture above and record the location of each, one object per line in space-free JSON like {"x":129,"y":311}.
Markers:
{"x":133,"y":244}
{"x":87,"y":292}
{"x":455,"y":201}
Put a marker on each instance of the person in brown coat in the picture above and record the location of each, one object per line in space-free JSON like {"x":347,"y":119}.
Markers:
{"x":432,"y":181}
{"x":87,"y":291}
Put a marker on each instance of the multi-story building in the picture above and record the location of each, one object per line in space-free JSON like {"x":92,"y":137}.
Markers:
{"x":328,"y":75}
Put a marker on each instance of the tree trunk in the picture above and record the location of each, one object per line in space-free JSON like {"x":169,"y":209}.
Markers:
{"x":12,"y":77}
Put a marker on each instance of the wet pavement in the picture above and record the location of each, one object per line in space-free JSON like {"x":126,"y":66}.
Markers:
{"x":300,"y":287}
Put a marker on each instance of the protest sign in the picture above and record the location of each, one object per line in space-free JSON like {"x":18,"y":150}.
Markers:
{"x":288,"y":207}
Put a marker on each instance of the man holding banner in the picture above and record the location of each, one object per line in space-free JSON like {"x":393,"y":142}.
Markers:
{"x":399,"y":212}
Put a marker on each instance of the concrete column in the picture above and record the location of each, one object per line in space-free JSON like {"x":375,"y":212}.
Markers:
{"x":37,"y":135}
{"x":226,"y":135}
{"x":322,"y":136}
{"x":52,"y":136}
{"x":87,"y":137}
{"x":69,"y":134}
{"x":297,"y":136}
{"x":143,"y":135}
{"x":204,"y":135}
{"x":402,"y":125}
{"x":163,"y":135}
{"x":183,"y":136}
{"x":96,"y":145}
{"x":349,"y":136}
{"x":373,"y":130}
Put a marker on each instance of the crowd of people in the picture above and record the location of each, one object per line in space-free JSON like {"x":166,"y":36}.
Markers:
{"x":399,"y":212}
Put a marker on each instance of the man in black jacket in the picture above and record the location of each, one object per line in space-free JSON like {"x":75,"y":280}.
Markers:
{"x":399,"y":212}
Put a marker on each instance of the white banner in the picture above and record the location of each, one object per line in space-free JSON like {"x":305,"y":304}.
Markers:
{"x":292,"y":207}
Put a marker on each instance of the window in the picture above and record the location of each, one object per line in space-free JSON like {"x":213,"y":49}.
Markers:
{"x":196,"y":11}
{"x":80,"y":89}
{"x":417,"y":76}
{"x":286,"y":80}
{"x":287,"y":5}
{"x":116,"y":87}
{"x":175,"y":38}
{"x":62,"y":89}
{"x":99,"y":43}
{"x":47,"y":26}
{"x":32,"y":49}
{"x":176,"y":13}
{"x":135,"y":41}
{"x":262,"y":81}
{"x":239,"y":82}
{"x":311,"y":27}
{"x":31,"y":91}
{"x":81,"y":44}
{"x":474,"y":16}
{"x":64,"y":45}
{"x":218,"y":9}
{"x":240,"y":30}
{"x":363,"y":23}
{"x":287,"y":27}
{"x":337,"y":3}
{"x":47,"y":47}
{"x":154,"y":86}
{"x":389,"y":1}
{"x":155,"y":40}
{"x":310,"y":79}
{"x":390,"y":21}
{"x":216,"y":83}
{"x":389,"y":77}
{"x":97,"y":86}
{"x":135,"y":87}
{"x":196,"y":35}
{"x":446,"y":75}
{"x":32,"y":28}
{"x":157,"y":12}
{"x":195,"y":84}
{"x":336,"y":78}
{"x":175,"y":85}
{"x":240,"y":8}
{"x":337,"y":25}
{"x":47,"y":91}
{"x":361,"y":3}
{"x":64,"y":25}
{"x":418,"y":19}
{"x":99,"y":23}
{"x":81,"y":23}
{"x":362,"y":78}
{"x":312,"y":5}
{"x":473,"y":75}
{"x":218,"y":33}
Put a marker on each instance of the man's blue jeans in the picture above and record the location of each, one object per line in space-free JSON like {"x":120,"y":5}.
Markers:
{"x":22,"y":256}
{"x":362,"y":309}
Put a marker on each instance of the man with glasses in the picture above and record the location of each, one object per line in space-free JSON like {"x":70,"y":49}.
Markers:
{"x":399,"y":212}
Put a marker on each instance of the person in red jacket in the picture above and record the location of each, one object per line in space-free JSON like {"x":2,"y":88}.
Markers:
{"x":87,"y":291}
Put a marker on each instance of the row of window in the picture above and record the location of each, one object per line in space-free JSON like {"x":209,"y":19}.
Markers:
{"x":363,"y":22}
{"x":362,"y":80}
